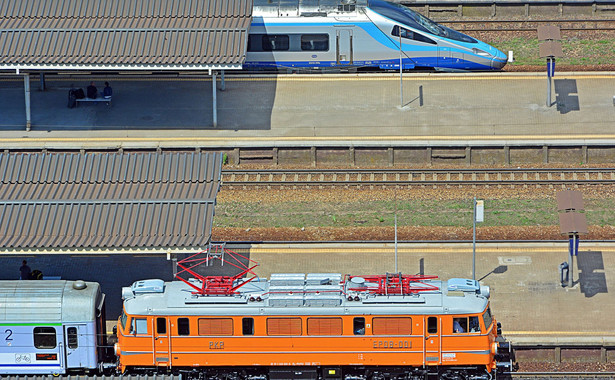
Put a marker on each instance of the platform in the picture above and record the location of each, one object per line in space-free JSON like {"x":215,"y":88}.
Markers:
{"x":351,"y":109}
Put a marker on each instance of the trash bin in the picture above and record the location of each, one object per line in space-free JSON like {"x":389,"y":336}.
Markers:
{"x":563,"y":273}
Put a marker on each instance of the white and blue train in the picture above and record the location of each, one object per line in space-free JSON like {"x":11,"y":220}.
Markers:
{"x":351,"y":34}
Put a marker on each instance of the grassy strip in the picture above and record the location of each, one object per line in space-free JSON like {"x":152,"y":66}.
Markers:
{"x":456,"y":213}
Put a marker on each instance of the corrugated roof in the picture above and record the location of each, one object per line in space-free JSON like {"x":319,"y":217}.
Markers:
{"x":124,"y":33}
{"x":107,"y":200}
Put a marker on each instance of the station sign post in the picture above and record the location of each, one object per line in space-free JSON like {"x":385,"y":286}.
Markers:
{"x":479,"y":217}
{"x":572,"y":223}
{"x":550,"y":48}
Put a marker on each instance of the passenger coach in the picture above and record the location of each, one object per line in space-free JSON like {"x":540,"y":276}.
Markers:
{"x":51,"y":327}
{"x":309,"y":327}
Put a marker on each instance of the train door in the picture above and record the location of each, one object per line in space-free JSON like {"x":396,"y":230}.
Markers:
{"x":343,"y":47}
{"x":161,"y":342}
{"x":444,"y":56}
{"x":76,"y":345}
{"x":432,"y":348}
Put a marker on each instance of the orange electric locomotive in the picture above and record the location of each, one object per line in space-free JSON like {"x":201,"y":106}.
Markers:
{"x":319,"y":326}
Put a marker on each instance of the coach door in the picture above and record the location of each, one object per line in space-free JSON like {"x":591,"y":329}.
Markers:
{"x":76,"y":347}
{"x":161,"y":342}
{"x":344,"y":48}
{"x":432,"y":348}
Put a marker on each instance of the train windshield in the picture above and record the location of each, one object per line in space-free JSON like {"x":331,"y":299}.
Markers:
{"x":416,"y":20}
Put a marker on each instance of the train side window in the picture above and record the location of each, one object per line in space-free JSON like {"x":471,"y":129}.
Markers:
{"x":358,"y":326}
{"x":45,"y":337}
{"x":460,"y":325}
{"x":71,"y":337}
{"x":410,"y":35}
{"x":315,"y":42}
{"x":474,"y":325}
{"x":139,"y":326}
{"x":275,"y":42}
{"x":161,"y":326}
{"x":183,"y":326}
{"x":247,"y":326}
{"x":432,"y":325}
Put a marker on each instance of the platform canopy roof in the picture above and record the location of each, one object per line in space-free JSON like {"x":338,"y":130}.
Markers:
{"x":107,"y":201}
{"x":123,"y":34}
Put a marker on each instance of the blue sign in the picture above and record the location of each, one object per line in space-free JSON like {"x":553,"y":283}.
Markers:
{"x":574,"y":252}
{"x":550,"y":67}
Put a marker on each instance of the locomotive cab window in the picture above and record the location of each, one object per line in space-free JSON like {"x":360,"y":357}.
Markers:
{"x":161,"y":326}
{"x":183,"y":326}
{"x":44,"y":337}
{"x":247,"y":326}
{"x":139,"y":326}
{"x":473,"y":325}
{"x":487,"y":318}
{"x":410,"y":35}
{"x":460,"y":325}
{"x":358,"y":326}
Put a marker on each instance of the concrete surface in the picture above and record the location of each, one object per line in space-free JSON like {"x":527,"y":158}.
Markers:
{"x":326,"y":109}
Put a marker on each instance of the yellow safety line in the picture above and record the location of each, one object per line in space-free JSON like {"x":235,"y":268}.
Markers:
{"x":562,"y":247}
{"x":575,"y":333}
{"x":304,"y":138}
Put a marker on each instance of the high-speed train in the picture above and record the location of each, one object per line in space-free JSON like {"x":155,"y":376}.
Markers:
{"x":350,"y":34}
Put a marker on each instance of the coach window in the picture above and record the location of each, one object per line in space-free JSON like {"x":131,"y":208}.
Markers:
{"x":358,"y":326}
{"x":161,"y":326}
{"x":183,"y":326}
{"x":71,"y":337}
{"x":315,"y":42}
{"x":410,"y":35}
{"x":44,"y":337}
{"x":247,"y":326}
{"x":432,"y":325}
{"x":275,"y":42}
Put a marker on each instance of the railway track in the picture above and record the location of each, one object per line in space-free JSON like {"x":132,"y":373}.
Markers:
{"x":561,"y":375}
{"x":418,"y":177}
{"x":486,"y":25}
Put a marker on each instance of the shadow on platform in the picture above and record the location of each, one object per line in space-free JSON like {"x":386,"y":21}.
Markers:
{"x":591,"y":281}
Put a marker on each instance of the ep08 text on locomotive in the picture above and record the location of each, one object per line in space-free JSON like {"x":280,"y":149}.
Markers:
{"x":317,"y":326}
{"x":334,"y":34}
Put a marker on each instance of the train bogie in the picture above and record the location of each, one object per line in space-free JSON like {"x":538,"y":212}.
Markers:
{"x":50,"y":327}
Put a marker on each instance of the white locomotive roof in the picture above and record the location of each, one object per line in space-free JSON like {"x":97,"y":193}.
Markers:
{"x":48,"y":301}
{"x":307,"y":8}
{"x":316,"y":294}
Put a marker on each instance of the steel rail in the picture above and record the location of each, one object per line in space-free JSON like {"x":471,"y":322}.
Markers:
{"x":561,"y":375}
{"x":405,"y":177}
{"x":528,"y":25}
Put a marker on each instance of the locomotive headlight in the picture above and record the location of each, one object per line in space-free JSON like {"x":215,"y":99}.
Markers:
{"x":494,"y":348}
{"x":116,"y":349}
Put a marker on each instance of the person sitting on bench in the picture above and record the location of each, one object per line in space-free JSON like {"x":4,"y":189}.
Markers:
{"x":107,"y":91}
{"x":91,"y":91}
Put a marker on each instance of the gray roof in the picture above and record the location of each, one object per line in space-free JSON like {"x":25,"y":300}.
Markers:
{"x":48,"y":301}
{"x":123,"y":34}
{"x":107,"y":200}
{"x":288,"y":298}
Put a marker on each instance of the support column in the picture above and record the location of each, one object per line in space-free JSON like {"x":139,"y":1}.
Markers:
{"x":26,"y":86}
{"x":41,"y":77}
{"x":214,"y":100}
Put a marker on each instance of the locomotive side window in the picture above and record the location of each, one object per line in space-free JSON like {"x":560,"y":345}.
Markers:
{"x":358,"y":326}
{"x":315,"y":42}
{"x":161,"y":326}
{"x":215,"y":326}
{"x":432,"y":325}
{"x":410,"y":35}
{"x":72,"y":338}
{"x":473,"y":324}
{"x":183,"y":326}
{"x":139,"y":326}
{"x":275,"y":42}
{"x":45,"y":337}
{"x":460,"y":325}
{"x":392,"y":326}
{"x":283,"y":326}
{"x":324,"y":326}
{"x":247,"y":326}
{"x":487,"y":318}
